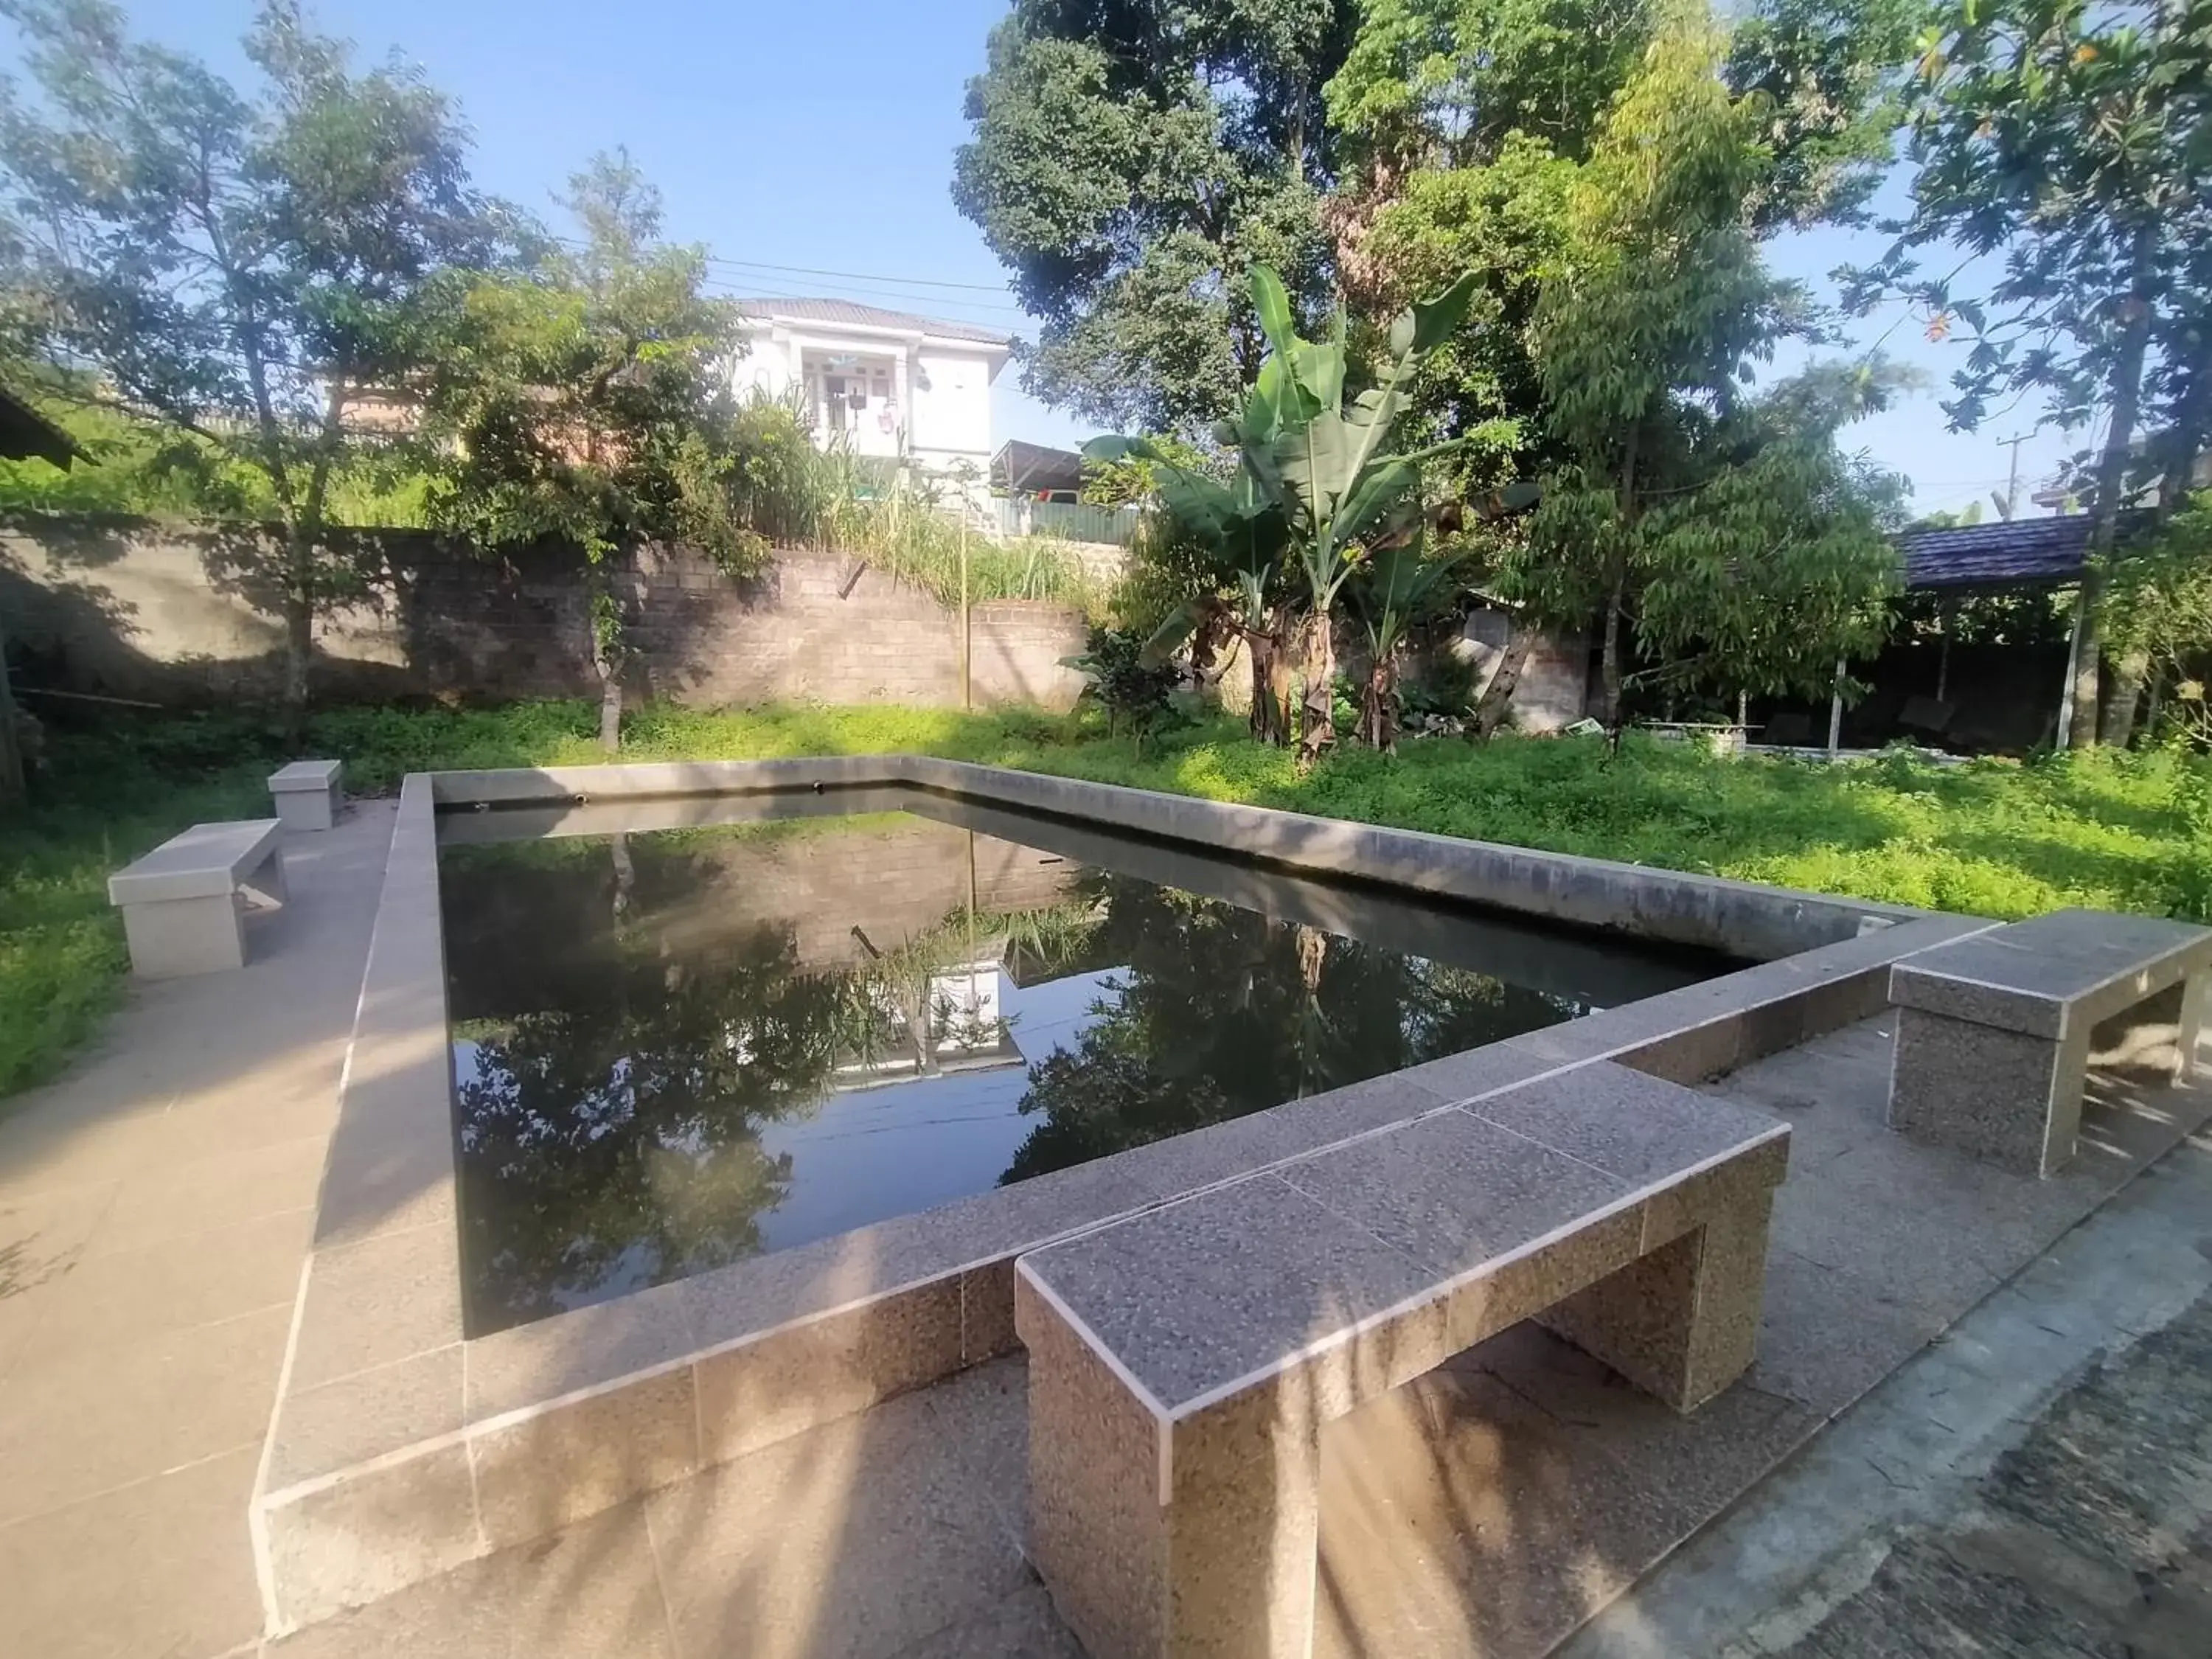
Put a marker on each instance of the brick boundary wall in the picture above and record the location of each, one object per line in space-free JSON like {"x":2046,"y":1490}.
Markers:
{"x":174,"y":615}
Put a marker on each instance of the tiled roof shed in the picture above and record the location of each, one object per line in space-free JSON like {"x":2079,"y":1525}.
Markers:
{"x":2020,"y":553}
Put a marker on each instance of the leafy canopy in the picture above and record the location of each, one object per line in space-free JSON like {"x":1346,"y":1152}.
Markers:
{"x":1124,"y":157}
{"x":227,"y":264}
{"x":584,"y":400}
{"x":2073,"y":141}
{"x":1728,"y":529}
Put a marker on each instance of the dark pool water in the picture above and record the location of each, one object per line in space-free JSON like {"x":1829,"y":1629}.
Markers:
{"x":676,"y":1047}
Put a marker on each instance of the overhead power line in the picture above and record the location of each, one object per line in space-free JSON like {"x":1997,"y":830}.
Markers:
{"x":714,"y":258}
{"x":858,"y":275}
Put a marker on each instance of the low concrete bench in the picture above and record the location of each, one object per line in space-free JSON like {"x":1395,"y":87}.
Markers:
{"x":1183,"y":1362}
{"x":1996,"y":1032}
{"x":306,"y":793}
{"x":180,"y":903}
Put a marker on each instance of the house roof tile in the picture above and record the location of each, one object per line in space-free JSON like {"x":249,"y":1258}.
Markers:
{"x":849,"y":311}
{"x":2018,"y":553}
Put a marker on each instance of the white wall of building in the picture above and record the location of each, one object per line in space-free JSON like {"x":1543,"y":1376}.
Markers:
{"x":952,"y":404}
{"x":925,"y":398}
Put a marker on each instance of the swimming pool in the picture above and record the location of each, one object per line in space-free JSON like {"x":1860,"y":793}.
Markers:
{"x":674,"y":1049}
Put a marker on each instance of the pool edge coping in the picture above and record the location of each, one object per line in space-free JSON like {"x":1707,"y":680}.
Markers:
{"x":888,"y":1307}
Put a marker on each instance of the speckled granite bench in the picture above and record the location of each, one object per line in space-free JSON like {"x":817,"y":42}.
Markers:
{"x":1183,"y":1362}
{"x":180,"y":902}
{"x":1995,"y":1032}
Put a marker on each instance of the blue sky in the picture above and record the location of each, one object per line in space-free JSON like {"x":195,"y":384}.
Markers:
{"x":820,"y":134}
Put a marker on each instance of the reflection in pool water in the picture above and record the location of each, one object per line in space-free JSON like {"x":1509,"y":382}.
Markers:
{"x":676,"y":1049}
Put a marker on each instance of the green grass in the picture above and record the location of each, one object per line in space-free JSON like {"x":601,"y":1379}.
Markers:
{"x":2114,"y":831}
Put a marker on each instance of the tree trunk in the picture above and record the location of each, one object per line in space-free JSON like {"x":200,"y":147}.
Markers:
{"x":1278,"y":681}
{"x":607,"y":659}
{"x":13,"y":786}
{"x":610,"y":701}
{"x":1270,"y":683}
{"x":1497,"y":696}
{"x":303,"y":545}
{"x":1378,"y":703}
{"x":1317,"y":730}
{"x":298,"y":646}
{"x":2117,"y":724}
{"x":2082,"y":732}
{"x":1608,"y":673}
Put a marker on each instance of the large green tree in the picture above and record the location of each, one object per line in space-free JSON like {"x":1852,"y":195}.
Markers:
{"x":1463,"y":125}
{"x":2073,"y":142}
{"x":582,"y":404}
{"x":1127,"y":162}
{"x":242,"y":267}
{"x":1723,"y":529}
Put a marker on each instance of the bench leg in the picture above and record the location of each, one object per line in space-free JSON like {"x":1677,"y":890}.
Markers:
{"x":306,"y":810}
{"x":1222,"y":1567}
{"x":2156,"y":1040}
{"x":2012,"y":1100}
{"x":2196,"y":1003}
{"x":183,"y":936}
{"x":264,"y":884}
{"x":1682,"y":1322}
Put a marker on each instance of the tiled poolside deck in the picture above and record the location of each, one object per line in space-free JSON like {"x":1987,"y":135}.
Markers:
{"x":155,"y":1206}
{"x":1486,"y":1510}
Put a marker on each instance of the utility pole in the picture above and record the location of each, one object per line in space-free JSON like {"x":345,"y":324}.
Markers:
{"x":2010,"y":507}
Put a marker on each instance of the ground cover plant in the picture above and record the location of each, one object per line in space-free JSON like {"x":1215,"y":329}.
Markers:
{"x":2112,"y":829}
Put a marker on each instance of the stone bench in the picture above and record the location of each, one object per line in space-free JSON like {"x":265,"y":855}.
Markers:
{"x":1183,"y":1362}
{"x":308,"y":793}
{"x":1996,"y":1031}
{"x":180,"y":902}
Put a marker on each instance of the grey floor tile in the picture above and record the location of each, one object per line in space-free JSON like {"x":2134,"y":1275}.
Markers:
{"x":101,"y":1417}
{"x":163,"y":1567}
{"x":1456,"y":1521}
{"x":1022,"y":1626}
{"x":984,"y":1415}
{"x":860,"y":1539}
{"x":1829,"y":1336}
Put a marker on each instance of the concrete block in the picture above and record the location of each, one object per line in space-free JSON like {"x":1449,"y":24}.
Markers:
{"x":308,"y":793}
{"x":1682,"y":1322}
{"x":176,"y":937}
{"x":2010,"y":1097}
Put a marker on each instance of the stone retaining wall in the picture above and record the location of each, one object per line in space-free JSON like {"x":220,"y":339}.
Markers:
{"x":129,"y":609}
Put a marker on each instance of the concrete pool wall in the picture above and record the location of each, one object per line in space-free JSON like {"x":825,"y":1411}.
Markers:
{"x":400,"y":1447}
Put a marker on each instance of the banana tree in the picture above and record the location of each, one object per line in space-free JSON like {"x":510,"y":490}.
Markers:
{"x":1398,"y":582}
{"x":1324,"y":461}
{"x":1246,"y":537}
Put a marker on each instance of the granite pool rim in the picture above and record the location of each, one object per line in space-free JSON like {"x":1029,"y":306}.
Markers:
{"x":386,"y":1409}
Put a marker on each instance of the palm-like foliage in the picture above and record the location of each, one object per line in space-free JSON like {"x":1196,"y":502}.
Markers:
{"x":1315,"y":488}
{"x":1401,"y":580}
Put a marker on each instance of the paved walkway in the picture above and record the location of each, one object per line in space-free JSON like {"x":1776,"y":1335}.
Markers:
{"x":1482,"y":1512}
{"x":156,"y":1206}
{"x":2037,"y":1484}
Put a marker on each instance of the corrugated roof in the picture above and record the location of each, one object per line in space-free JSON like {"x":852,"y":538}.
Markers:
{"x":849,"y":311}
{"x":1019,"y":466}
{"x":2022,"y":553}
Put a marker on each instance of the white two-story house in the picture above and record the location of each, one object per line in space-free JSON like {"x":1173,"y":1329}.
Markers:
{"x":886,"y":383}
